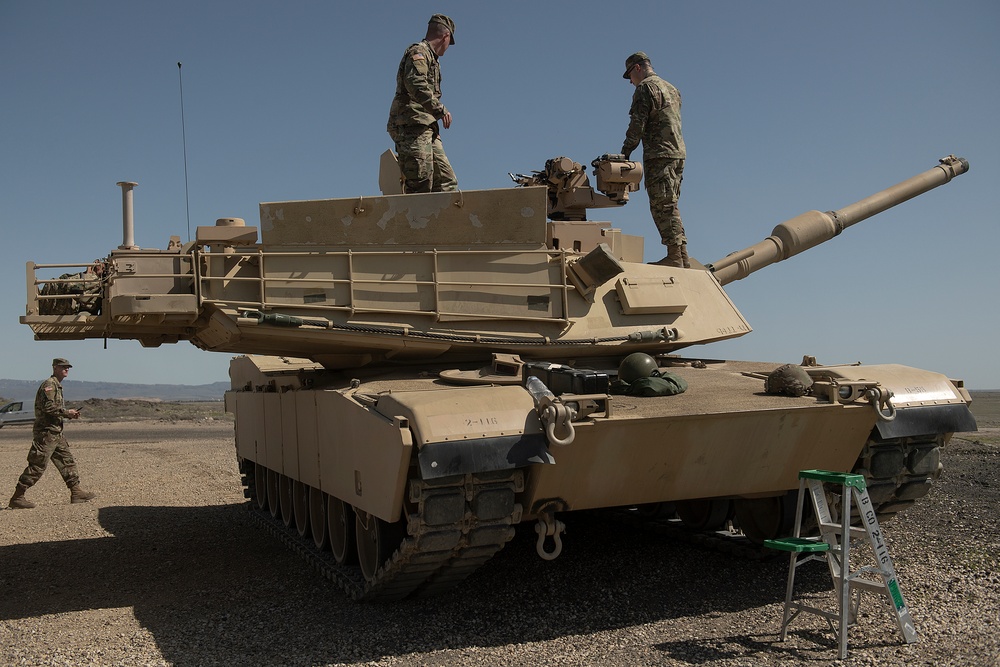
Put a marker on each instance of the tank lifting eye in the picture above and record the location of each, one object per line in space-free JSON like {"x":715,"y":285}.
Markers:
{"x":547,"y":526}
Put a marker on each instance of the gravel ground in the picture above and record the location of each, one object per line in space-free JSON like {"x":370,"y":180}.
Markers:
{"x":165,"y":567}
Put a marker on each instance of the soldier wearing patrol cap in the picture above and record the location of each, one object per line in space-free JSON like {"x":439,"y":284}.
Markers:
{"x":48,"y":441}
{"x":417,"y":108}
{"x":655,"y":120}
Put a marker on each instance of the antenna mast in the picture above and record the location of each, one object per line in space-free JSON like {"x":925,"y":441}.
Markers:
{"x":187,"y":203}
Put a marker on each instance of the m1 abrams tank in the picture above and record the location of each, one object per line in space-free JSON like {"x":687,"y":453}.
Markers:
{"x":421,"y":373}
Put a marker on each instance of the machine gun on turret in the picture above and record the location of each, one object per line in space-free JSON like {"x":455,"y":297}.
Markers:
{"x":569,"y":191}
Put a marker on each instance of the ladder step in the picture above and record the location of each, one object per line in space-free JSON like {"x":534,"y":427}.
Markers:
{"x":844,"y":478}
{"x":836,"y":528}
{"x":797,"y":544}
{"x":865,"y":584}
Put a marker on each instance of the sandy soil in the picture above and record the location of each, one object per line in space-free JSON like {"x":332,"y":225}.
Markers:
{"x":165,"y":567}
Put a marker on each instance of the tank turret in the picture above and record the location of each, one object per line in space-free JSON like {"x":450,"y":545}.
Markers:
{"x":453,"y":275}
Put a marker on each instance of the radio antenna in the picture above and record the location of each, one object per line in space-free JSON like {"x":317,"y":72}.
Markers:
{"x":187,"y":202}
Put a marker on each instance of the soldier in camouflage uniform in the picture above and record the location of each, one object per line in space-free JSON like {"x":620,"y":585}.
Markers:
{"x":656,"y":122}
{"x":48,"y":441}
{"x":416,"y":109}
{"x":86,"y":287}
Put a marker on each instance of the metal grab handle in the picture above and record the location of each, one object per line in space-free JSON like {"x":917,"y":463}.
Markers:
{"x":545,"y":527}
{"x":881,"y":401}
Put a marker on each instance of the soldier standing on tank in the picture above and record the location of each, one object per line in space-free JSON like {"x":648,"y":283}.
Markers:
{"x":416,"y":109}
{"x":656,"y":122}
{"x":48,"y":441}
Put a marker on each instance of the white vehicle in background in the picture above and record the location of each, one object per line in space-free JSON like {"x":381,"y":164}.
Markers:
{"x":17,"y":412}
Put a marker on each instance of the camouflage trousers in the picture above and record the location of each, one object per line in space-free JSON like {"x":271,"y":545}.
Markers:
{"x":47,"y":445}
{"x":663,"y":178}
{"x":422,"y":161}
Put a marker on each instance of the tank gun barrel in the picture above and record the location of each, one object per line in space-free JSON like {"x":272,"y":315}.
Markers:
{"x":813,"y":227}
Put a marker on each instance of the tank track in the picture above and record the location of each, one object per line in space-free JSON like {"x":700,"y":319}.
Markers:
{"x":453,"y":526}
{"x":897,"y":472}
{"x":456,"y":524}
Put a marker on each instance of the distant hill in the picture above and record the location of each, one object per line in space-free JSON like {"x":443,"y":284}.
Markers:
{"x":75,"y":390}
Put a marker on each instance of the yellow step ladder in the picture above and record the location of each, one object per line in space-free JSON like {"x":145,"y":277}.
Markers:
{"x":834,"y":544}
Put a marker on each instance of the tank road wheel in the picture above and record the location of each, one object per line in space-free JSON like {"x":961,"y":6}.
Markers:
{"x":377,"y":541}
{"x":704,"y":513}
{"x":317,"y":518}
{"x":260,"y":485}
{"x":272,"y":493}
{"x":285,"y":499}
{"x":766,"y":518}
{"x":300,"y":507}
{"x":341,"y":530}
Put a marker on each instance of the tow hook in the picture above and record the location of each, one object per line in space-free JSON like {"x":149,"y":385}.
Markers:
{"x":549,"y":526}
{"x":879,"y":397}
{"x":881,"y":400}
{"x":556,"y":417}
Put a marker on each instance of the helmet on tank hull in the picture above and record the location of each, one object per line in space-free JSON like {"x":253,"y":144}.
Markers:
{"x":636,"y":366}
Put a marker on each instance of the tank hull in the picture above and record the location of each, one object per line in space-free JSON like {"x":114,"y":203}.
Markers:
{"x":382,"y":441}
{"x":724,"y":437}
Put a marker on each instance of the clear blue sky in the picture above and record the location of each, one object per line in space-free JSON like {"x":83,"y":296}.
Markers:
{"x":787,"y":107}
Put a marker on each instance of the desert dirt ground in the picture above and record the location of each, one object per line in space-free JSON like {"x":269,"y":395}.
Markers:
{"x":166,"y":567}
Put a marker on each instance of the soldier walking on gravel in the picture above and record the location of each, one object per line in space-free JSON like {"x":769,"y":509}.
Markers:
{"x":416,"y":109}
{"x":655,"y":120}
{"x":48,"y":441}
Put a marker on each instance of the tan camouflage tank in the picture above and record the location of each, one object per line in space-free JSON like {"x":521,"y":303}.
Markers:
{"x":421,"y":374}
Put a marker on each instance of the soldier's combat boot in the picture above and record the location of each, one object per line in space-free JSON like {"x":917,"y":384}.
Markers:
{"x":685,"y":261}
{"x":78,"y":495}
{"x":673,"y":258}
{"x":18,"y":501}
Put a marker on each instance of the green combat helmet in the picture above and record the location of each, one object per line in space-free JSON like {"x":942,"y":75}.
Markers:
{"x":636,"y":366}
{"x":790,"y":380}
{"x":640,"y":375}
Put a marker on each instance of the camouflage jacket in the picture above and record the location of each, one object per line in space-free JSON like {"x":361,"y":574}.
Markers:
{"x":418,"y":89}
{"x":86,"y":285}
{"x":49,"y":406}
{"x":656,"y":120}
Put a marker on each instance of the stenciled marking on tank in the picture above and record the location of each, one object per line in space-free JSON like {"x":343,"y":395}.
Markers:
{"x":474,"y":219}
{"x":527,"y":212}
{"x":917,"y":394}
